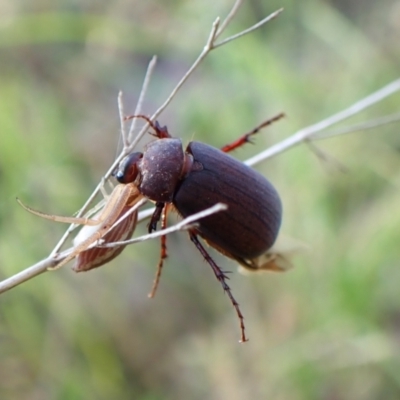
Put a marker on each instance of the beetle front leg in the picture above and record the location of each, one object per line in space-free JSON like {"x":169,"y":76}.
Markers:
{"x":160,"y":132}
{"x":163,"y":254}
{"x":246,"y":137}
{"x":221,"y":276}
{"x":156,"y":217}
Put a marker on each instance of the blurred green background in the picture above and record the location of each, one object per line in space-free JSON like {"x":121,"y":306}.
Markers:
{"x":328,"y":329}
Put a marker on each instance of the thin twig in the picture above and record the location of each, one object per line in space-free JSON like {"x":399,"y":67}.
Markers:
{"x":371,"y":124}
{"x":121,"y":113}
{"x":207,"y":48}
{"x":229,"y":17}
{"x":185,"y":224}
{"x":51,"y":261}
{"x":310,"y":131}
{"x":249,"y":30}
{"x":116,"y":162}
{"x":113,"y":166}
{"x":139,"y":105}
{"x":27,"y":274}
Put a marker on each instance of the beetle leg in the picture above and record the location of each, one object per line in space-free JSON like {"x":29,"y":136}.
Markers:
{"x":159,"y":131}
{"x":163,"y":254}
{"x":246,"y":137}
{"x":221,"y":276}
{"x":156,"y":216}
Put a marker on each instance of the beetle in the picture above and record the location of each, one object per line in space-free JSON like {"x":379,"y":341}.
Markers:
{"x":190,"y":181}
{"x":195,"y":179}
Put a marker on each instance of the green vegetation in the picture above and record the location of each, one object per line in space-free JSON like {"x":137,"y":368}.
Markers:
{"x":328,"y":329}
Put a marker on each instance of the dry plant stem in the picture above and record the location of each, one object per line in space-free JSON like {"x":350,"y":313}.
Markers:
{"x":89,"y":201}
{"x":51,"y":261}
{"x":138,"y":109}
{"x":311,"y":131}
{"x":371,"y":124}
{"x":229,"y":17}
{"x":249,"y":30}
{"x":203,"y":54}
{"x":185,"y":224}
{"x":121,"y":112}
{"x":27,"y":274}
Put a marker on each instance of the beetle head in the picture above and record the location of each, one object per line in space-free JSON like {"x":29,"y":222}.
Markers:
{"x":128,"y":170}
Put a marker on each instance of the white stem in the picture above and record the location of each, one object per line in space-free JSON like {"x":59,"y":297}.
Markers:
{"x":185,"y":224}
{"x":138,"y":109}
{"x":249,"y":30}
{"x":310,"y":131}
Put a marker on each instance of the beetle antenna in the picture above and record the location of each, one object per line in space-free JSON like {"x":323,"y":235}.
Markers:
{"x":221,"y":276}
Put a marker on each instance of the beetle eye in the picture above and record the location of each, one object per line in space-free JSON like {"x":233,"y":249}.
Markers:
{"x":128,"y":168}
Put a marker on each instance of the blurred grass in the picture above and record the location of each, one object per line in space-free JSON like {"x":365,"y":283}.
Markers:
{"x":329,"y":329}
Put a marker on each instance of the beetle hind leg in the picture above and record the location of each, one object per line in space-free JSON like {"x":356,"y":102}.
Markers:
{"x":222,"y":277}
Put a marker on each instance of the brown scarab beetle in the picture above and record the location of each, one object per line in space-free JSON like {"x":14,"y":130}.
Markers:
{"x":197,"y":178}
